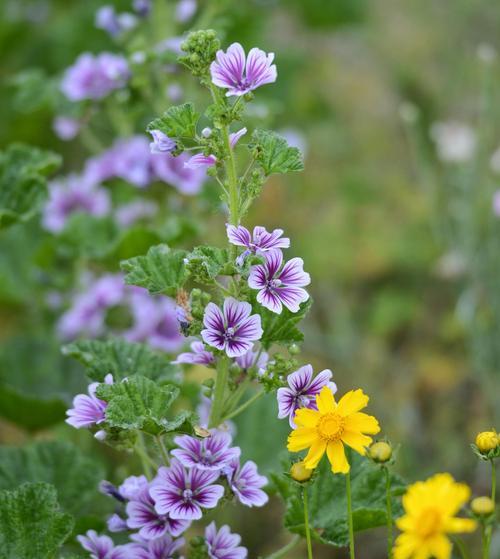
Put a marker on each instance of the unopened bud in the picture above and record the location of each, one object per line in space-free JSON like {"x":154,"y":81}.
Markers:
{"x":380,"y":452}
{"x":482,"y":506}
{"x":294,"y":349}
{"x":300,"y":473}
{"x":206,"y":132}
{"x":486,"y":441}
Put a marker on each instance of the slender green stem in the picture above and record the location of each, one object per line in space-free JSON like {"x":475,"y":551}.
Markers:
{"x":232,"y":180}
{"x":163,"y":450}
{"x":461,"y":548}
{"x":493,"y":481}
{"x":306,"y":523}
{"x":148,"y":465}
{"x":285,"y":549}
{"x":221,"y":379}
{"x":390,"y":536}
{"x":349,"y":514}
{"x":244,"y":406}
{"x":487,"y":531}
{"x":486,"y":541}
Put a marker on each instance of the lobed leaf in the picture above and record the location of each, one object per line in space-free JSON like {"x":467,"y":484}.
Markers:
{"x":273,"y":153}
{"x":282,"y":328}
{"x":178,"y":121}
{"x":205,"y":263}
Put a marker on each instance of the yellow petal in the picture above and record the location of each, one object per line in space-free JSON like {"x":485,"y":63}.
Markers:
{"x":405,"y":546}
{"x":338,"y":460}
{"x":305,"y":417}
{"x":357,"y":441}
{"x":315,"y":454}
{"x":301,"y":438}
{"x":460,"y":525}
{"x":352,"y":401}
{"x":362,"y":423}
{"x":325,"y":400}
{"x":440,"y":547}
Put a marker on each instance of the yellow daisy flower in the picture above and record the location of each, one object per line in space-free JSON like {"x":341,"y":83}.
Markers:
{"x":331,"y":426}
{"x":430,"y":507}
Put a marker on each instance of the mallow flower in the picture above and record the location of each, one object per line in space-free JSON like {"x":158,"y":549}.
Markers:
{"x":246,"y":483}
{"x":102,"y":547}
{"x":160,"y":548}
{"x":197,"y":356}
{"x":212,"y":453}
{"x":161,"y":142}
{"x":88,"y":410}
{"x":222,"y":544}
{"x":257,"y":242}
{"x":239,"y":74}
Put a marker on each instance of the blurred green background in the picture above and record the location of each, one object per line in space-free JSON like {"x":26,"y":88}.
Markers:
{"x":391,"y":314}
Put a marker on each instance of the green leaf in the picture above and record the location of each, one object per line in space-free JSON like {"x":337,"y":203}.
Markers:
{"x":328,"y":501}
{"x":23,"y":186}
{"x":161,"y":270}
{"x":178,"y":121}
{"x":31,"y":524}
{"x":205,"y":263}
{"x":87,"y":236}
{"x":273,"y":153}
{"x":140,"y":404}
{"x":73,"y":474}
{"x":282,"y":328}
{"x":121,"y":359}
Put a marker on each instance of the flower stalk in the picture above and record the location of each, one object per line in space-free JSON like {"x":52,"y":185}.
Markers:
{"x":306,"y":524}
{"x":390,"y":535}
{"x":221,"y":379}
{"x":349,"y":515}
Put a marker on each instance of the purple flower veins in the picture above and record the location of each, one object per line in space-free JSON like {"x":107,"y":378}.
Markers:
{"x":161,"y":142}
{"x":212,"y":453}
{"x":88,"y":411}
{"x":197,"y":356}
{"x":233,"y":329}
{"x":245,"y":482}
{"x":223,"y":544}
{"x":259,"y":242}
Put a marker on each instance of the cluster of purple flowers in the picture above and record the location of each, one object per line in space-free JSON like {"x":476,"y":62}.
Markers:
{"x":113,"y":23}
{"x":154,"y":318}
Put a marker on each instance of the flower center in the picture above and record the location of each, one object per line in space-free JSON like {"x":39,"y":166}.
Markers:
{"x":187,"y":494}
{"x":429,"y":523}
{"x":274,"y":283}
{"x":229,"y":333}
{"x":331,"y":426}
{"x":302,"y":401}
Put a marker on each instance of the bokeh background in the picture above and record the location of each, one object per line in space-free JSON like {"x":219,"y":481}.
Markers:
{"x":400,"y":238}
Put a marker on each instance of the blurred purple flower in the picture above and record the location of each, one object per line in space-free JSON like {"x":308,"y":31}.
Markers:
{"x":245,"y":482}
{"x":251,"y":358}
{"x":88,"y":411}
{"x":175,"y":92}
{"x":223,"y":544}
{"x":141,"y":515}
{"x":161,"y":548}
{"x":302,"y":391}
{"x":235,"y":137}
{"x":133,"y":486}
{"x":94,"y":77}
{"x":203,"y":410}
{"x":65,"y":127}
{"x":233,"y":329}
{"x":182,"y":493}
{"x":197,"y":356}
{"x":102,"y":547}
{"x":128,"y":214}
{"x":107,"y":20}
{"x":212,"y":453}
{"x":280,"y":285}
{"x":132,"y":161}
{"x":116,"y":523}
{"x":172,"y":170}
{"x":496,"y":203}
{"x":200,"y":161}
{"x":70,"y":195}
{"x":185,"y":10}
{"x":142,"y":7}
{"x":161,"y":142}
{"x":110,"y":490}
{"x":232,"y":71}
{"x":259,"y":242}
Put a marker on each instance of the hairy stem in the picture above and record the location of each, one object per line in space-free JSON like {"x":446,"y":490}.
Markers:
{"x":388,"y":512}
{"x":221,"y":379}
{"x":163,"y":450}
{"x":232,"y":180}
{"x":148,"y":465}
{"x":285,"y":549}
{"x":349,"y":514}
{"x":306,"y":523}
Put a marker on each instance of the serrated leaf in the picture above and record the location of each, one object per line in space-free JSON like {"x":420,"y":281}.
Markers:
{"x":178,"y":121}
{"x":23,"y":186}
{"x":282,"y":328}
{"x":121,"y":359}
{"x":273,"y":153}
{"x":31,"y":523}
{"x":140,"y":404}
{"x":161,"y":270}
{"x":74,"y":475}
{"x":328,"y":501}
{"x":205,"y":263}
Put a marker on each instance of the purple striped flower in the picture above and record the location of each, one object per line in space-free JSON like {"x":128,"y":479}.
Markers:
{"x":200,"y":161}
{"x":132,"y":487}
{"x":251,"y":359}
{"x":141,"y":515}
{"x":116,"y":523}
{"x":161,"y":142}
{"x":212,"y":453}
{"x":223,"y":544}
{"x":239,"y":74}
{"x":161,"y":548}
{"x":301,"y":391}
{"x":88,"y":411}
{"x":102,"y":547}
{"x":246,"y":482}
{"x":234,"y":138}
{"x":197,"y":356}
{"x":182,"y":493}
{"x":259,"y":242}
{"x":280,"y":284}
{"x":233,"y":329}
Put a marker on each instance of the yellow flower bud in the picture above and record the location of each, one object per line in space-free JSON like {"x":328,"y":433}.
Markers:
{"x":300,"y":473}
{"x":482,"y":506}
{"x":380,"y":452}
{"x":486,"y":441}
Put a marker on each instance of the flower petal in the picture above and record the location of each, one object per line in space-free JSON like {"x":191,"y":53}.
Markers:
{"x":325,"y":401}
{"x":352,"y":401}
{"x":337,"y":457}
{"x":300,"y":379}
{"x":362,"y":423}
{"x":315,"y":454}
{"x":357,"y":441}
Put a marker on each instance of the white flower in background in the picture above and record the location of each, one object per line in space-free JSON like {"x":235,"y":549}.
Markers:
{"x":455,"y":141}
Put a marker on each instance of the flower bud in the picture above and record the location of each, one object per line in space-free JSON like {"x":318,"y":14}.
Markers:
{"x":486,"y":441}
{"x":300,"y":473}
{"x":380,"y":452}
{"x":482,"y":506}
{"x":294,"y":349}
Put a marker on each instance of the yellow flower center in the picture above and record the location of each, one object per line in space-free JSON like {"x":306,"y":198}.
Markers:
{"x":429,"y":523}
{"x":330,"y":427}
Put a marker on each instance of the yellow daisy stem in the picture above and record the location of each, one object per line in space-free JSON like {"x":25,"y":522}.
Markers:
{"x":349,"y":515}
{"x":306,"y":523}
{"x":461,"y":547}
{"x":488,"y":530}
{"x":388,"y":511}
{"x":493,"y":481}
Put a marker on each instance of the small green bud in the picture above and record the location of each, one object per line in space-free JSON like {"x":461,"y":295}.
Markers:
{"x":486,"y":441}
{"x":294,"y":349}
{"x":482,"y":506}
{"x":380,"y":452}
{"x":300,"y":473}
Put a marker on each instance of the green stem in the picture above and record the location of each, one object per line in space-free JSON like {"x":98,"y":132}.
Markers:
{"x":486,"y":542}
{"x":244,"y":406}
{"x":488,"y":530}
{"x":232,"y":180}
{"x":148,"y":465}
{"x":388,"y":511}
{"x":461,"y":547}
{"x":221,"y":379}
{"x":285,"y":549}
{"x":493,"y":481}
{"x":306,"y":523}
{"x":163,"y":450}
{"x":349,"y":514}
